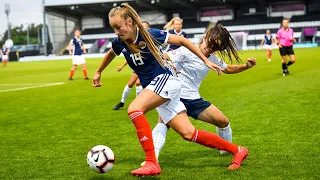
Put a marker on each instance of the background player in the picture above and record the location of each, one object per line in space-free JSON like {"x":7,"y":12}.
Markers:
{"x":4,"y":55}
{"x":285,"y":40}
{"x":162,"y":87}
{"x":175,"y":27}
{"x":76,"y":48}
{"x":267,"y":42}
{"x":133,"y":80}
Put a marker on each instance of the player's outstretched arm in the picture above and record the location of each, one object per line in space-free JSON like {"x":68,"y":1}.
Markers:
{"x":119,"y":68}
{"x":232,"y":69}
{"x":105,"y":62}
{"x":181,"y":41}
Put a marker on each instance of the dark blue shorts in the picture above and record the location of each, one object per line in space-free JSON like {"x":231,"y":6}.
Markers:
{"x":195,"y":106}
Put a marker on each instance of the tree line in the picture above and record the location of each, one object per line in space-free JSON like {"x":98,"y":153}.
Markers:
{"x":19,"y":34}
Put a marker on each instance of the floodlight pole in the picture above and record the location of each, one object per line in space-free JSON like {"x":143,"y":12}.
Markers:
{"x":7,"y":11}
{"x":28,"y":34}
{"x":44,"y":29}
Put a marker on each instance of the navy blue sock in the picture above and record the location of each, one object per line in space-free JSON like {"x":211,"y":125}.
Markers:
{"x":284,"y":66}
{"x":289,"y":63}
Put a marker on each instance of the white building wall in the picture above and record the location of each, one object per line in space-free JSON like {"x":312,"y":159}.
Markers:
{"x":90,"y":22}
{"x":153,"y":17}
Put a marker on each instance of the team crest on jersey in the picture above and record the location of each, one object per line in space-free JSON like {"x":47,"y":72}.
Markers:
{"x":142,"y":45}
{"x":162,"y":32}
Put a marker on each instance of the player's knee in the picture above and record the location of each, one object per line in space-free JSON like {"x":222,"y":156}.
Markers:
{"x":187,"y":135}
{"x":223,"y":122}
{"x":293,"y":60}
{"x":133,"y":108}
{"x":130,"y":85}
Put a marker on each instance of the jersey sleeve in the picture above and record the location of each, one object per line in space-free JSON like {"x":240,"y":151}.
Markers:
{"x":177,"y":55}
{"x":218,"y":62}
{"x":71,"y":41}
{"x":116,"y":46}
{"x":278,"y":34}
{"x":185,"y":35}
{"x":159,"y":35}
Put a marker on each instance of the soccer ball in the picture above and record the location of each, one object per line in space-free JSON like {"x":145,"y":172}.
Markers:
{"x":100,"y":158}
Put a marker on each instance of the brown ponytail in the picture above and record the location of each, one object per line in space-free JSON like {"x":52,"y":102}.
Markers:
{"x":226,"y":47}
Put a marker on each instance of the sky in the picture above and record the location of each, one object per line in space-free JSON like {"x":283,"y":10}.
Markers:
{"x":21,"y":12}
{"x":30,"y":11}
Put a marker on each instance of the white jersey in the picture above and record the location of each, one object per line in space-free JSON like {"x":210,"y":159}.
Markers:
{"x":193,"y":70}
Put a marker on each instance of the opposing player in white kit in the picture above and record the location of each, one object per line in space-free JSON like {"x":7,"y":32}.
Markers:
{"x":134,"y":80}
{"x":192,"y":72}
{"x":161,"y":86}
{"x":267,"y":42}
{"x":76,"y":48}
{"x":4,"y":55}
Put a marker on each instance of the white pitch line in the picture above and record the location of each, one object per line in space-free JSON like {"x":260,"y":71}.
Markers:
{"x":32,"y":87}
{"x":24,"y":84}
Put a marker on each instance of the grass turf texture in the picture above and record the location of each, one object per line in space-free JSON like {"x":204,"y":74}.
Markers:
{"x":46,"y":132}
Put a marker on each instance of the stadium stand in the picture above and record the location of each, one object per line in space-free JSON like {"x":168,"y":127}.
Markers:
{"x":241,"y":21}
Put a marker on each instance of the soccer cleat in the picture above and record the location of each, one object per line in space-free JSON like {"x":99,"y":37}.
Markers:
{"x":269,"y":60}
{"x":86,"y":78}
{"x":284,"y":72}
{"x":287,"y":71}
{"x":238,"y":158}
{"x":70,"y":79}
{"x":118,"y":106}
{"x":149,"y":169}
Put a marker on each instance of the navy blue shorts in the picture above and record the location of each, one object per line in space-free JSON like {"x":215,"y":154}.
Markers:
{"x":195,"y":106}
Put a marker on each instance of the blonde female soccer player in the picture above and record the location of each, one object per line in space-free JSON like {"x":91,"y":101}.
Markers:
{"x":161,"y":86}
{"x":174,"y":26}
{"x":76,"y":49}
{"x":134,"y":80}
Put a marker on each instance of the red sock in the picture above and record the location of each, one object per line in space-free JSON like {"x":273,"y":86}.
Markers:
{"x":213,"y":141}
{"x":71,"y":73}
{"x":85,"y":73}
{"x":144,"y":134}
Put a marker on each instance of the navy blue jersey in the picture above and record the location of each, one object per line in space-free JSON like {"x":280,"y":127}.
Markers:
{"x":144,"y":63}
{"x":172,"y":46}
{"x":76,"y":44}
{"x":4,"y":51}
{"x":268,"y":39}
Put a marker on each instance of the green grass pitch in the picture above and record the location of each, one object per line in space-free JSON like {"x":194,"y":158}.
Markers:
{"x":46,"y":132}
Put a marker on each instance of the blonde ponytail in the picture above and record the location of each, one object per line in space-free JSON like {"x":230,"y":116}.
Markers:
{"x":126,"y":11}
{"x":170,"y":24}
